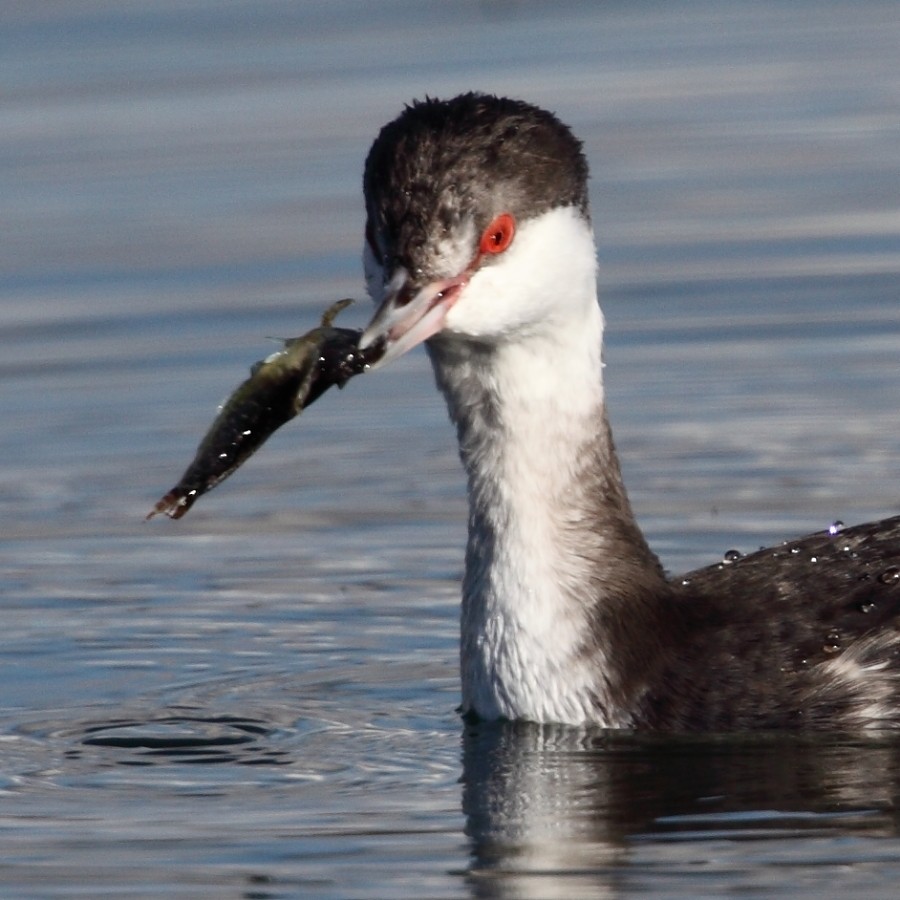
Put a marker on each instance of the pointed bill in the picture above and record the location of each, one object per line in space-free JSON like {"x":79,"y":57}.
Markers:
{"x":409,"y":315}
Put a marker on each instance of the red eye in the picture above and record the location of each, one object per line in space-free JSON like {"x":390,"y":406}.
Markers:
{"x":498,"y":235}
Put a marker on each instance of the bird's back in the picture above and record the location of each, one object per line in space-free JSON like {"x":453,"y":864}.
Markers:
{"x":802,"y":635}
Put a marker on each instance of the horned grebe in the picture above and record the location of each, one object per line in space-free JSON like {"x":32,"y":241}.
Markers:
{"x":479,"y":242}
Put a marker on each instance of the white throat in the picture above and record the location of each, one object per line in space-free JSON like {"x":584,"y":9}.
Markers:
{"x":544,"y":492}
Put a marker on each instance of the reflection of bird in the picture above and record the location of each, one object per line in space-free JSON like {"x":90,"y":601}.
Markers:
{"x":479,"y":242}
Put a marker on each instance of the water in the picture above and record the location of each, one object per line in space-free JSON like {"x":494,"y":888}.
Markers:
{"x":259,"y":701}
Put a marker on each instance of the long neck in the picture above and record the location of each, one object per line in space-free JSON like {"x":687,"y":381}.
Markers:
{"x":557,"y":571}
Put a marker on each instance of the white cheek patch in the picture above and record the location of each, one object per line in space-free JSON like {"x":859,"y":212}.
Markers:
{"x":518,"y":291}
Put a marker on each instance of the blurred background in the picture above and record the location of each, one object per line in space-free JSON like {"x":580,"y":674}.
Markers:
{"x":180,"y":183}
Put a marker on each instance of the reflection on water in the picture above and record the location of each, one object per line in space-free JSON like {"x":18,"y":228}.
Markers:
{"x":260,"y":700}
{"x":555,"y":812}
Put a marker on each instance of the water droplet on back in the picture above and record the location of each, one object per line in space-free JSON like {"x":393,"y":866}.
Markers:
{"x":836,"y":527}
{"x":732,"y":556}
{"x":891,"y":575}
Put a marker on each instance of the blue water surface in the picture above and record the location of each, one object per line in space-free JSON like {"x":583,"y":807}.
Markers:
{"x":260,"y":699}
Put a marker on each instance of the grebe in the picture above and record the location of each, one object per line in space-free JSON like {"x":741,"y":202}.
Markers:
{"x":479,"y":243}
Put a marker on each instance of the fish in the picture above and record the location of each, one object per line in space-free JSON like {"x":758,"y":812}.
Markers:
{"x":279,"y":388}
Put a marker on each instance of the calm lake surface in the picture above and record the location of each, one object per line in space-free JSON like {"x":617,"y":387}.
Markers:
{"x":259,"y":700}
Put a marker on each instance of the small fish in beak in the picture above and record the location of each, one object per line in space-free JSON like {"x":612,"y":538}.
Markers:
{"x":278,"y":389}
